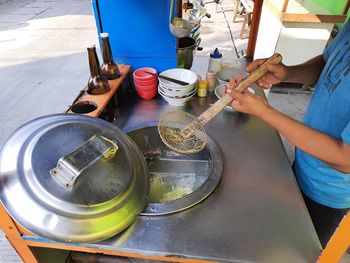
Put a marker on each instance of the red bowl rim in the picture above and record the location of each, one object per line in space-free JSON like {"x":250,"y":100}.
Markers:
{"x":146,"y":76}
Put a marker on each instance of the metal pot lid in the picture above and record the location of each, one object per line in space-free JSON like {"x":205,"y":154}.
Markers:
{"x":72,"y":178}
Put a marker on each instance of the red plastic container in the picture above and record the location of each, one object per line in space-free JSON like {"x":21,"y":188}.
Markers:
{"x":146,"y":87}
{"x":147,"y":94}
{"x":152,"y":81}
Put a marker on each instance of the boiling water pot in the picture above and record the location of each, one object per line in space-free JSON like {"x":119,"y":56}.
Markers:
{"x":186,"y":51}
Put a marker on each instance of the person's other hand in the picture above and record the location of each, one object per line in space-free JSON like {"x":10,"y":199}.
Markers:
{"x":276,"y":73}
{"x":246,"y":102}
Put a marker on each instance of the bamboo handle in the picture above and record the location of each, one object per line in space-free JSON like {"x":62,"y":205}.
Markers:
{"x":258,"y":73}
{"x":212,"y":111}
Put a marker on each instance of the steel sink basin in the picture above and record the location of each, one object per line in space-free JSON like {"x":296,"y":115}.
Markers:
{"x":177,"y":181}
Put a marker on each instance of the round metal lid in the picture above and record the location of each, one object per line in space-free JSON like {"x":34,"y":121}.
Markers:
{"x":72,"y":178}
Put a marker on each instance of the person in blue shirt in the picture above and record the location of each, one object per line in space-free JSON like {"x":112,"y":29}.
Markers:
{"x":322,"y":162}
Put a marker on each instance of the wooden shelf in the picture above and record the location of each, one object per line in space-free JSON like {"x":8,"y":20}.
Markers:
{"x":101,"y":101}
{"x":312,"y":18}
{"x":294,"y":11}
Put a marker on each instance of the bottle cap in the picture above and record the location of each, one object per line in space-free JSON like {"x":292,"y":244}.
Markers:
{"x":216,"y":54}
{"x":203,"y":84}
{"x":211,"y":74}
{"x":103,"y":35}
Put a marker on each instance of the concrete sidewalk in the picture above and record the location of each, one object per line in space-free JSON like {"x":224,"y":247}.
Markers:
{"x":43,"y":64}
{"x":43,"y":59}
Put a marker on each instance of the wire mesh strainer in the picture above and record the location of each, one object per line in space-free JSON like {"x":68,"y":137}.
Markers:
{"x":170,"y":126}
{"x":184,"y":133}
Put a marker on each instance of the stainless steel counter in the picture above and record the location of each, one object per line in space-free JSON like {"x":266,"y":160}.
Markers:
{"x":256,"y":214}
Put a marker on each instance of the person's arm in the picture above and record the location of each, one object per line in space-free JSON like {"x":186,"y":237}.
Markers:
{"x":332,"y":151}
{"x":305,"y":73}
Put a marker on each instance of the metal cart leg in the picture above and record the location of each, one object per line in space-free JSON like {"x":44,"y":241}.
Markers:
{"x":338,"y":243}
{"x":14,"y":237}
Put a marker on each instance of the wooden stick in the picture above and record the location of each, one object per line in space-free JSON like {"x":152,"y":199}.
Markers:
{"x":312,"y":18}
{"x":346,"y":7}
{"x":218,"y":106}
{"x":285,"y":5}
{"x":338,"y":243}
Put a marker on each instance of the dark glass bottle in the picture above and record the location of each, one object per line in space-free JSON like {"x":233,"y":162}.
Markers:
{"x":97,"y":83}
{"x":109,"y":68}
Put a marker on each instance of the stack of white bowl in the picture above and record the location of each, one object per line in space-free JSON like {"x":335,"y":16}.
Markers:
{"x":176,"y":94}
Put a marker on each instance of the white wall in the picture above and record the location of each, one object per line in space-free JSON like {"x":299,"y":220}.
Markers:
{"x":295,"y":41}
{"x":299,"y":42}
{"x":268,"y":34}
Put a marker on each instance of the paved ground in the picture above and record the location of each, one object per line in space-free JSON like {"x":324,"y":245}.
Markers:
{"x":43,"y":57}
{"x":43,"y":62}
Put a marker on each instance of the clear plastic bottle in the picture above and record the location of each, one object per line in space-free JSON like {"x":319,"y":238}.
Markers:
{"x":215,"y":61}
{"x":211,"y":77}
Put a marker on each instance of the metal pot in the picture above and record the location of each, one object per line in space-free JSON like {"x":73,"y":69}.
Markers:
{"x":185,"y":51}
{"x":72,"y":178}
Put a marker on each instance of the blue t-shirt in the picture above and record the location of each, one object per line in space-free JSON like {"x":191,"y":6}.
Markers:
{"x":329,"y":112}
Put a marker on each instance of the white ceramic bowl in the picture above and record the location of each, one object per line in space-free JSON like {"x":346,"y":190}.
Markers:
{"x":223,"y":76}
{"x":180,"y":101}
{"x":219,"y":92}
{"x":174,"y":92}
{"x":179,"y":74}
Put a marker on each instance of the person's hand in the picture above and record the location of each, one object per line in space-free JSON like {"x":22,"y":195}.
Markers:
{"x":276,"y":73}
{"x":246,"y":102}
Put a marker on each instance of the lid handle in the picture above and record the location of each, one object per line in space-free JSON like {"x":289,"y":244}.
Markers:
{"x":71,"y":165}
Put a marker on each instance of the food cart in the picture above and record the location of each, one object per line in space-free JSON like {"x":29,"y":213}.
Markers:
{"x":255,"y":212}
